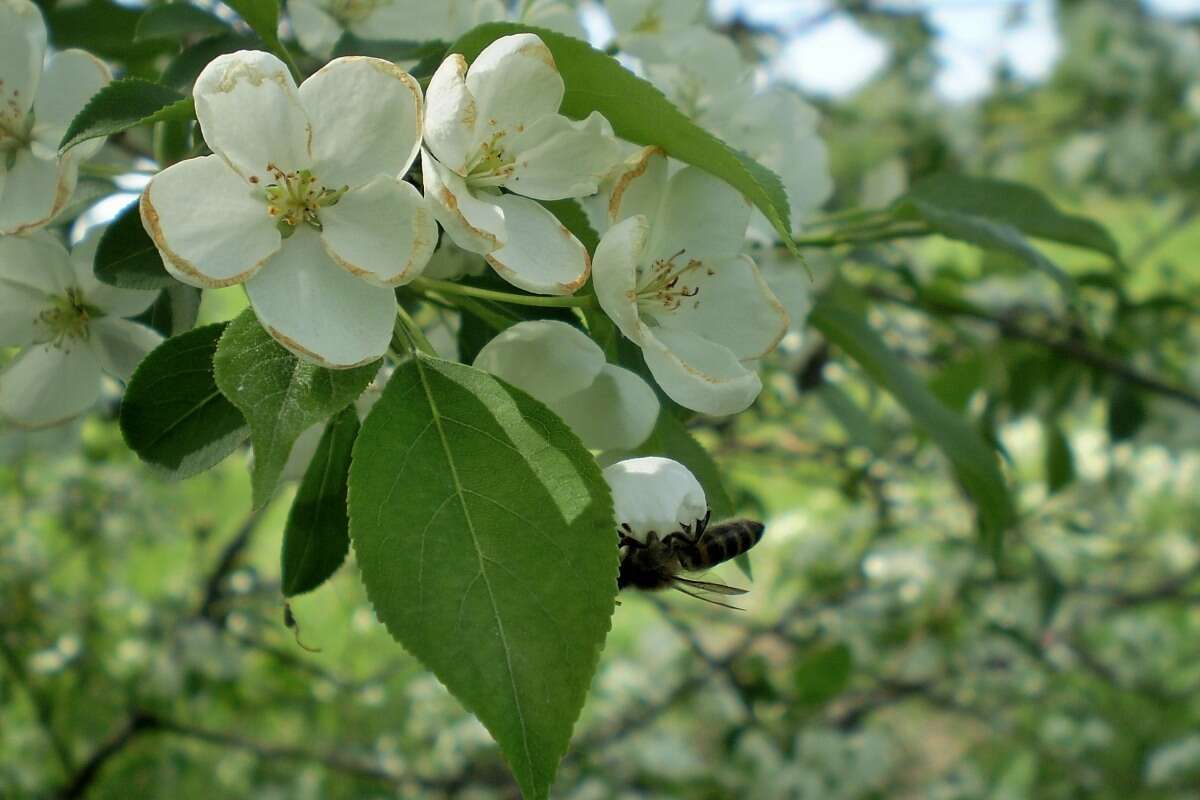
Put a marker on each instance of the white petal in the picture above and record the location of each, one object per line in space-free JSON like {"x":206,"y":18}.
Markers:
{"x":47,"y":385}
{"x":35,"y":190}
{"x":700,"y":215}
{"x":557,"y":157}
{"x":366,"y":116}
{"x":617,"y":412}
{"x":318,"y":310}
{"x":473,"y":224}
{"x":211,"y":227}
{"x":614,"y":273}
{"x":251,"y":115}
{"x":120,"y":345}
{"x":450,"y":115}
{"x":514,"y":82}
{"x":697,"y":373}
{"x":33,"y":270}
{"x":539,"y":254}
{"x":22,"y":48}
{"x":384,"y":232}
{"x":113,"y":301}
{"x":556,"y":16}
{"x":733,"y":306}
{"x":317,"y":31}
{"x":548,"y":359}
{"x":654,"y":495}
{"x":654,"y":16}
{"x":70,"y":80}
{"x":640,"y":187}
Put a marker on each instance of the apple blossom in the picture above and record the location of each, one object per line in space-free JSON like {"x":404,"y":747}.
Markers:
{"x":671,"y":275}
{"x":301,"y":200}
{"x":39,"y":97}
{"x":493,"y":126}
{"x":609,"y":407}
{"x":654,"y":495}
{"x":70,"y":326}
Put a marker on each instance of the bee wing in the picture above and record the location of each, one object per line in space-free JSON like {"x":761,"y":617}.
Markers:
{"x":708,"y":586}
{"x":698,"y":596}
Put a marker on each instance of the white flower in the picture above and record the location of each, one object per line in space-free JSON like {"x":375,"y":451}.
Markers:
{"x":320,"y":23}
{"x":496,"y":125}
{"x":69,"y":325}
{"x":36,"y":106}
{"x":645,"y":27}
{"x":609,"y":407}
{"x":671,"y":275}
{"x":302,"y":201}
{"x":655,"y":495}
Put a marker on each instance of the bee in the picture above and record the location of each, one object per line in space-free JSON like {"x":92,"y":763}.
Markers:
{"x":656,"y":563}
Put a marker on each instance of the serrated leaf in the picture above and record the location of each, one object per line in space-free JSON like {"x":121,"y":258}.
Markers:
{"x":484,"y":533}
{"x":177,"y":19}
{"x":125,"y":104}
{"x":126,"y":255}
{"x":317,"y":535}
{"x":671,"y":439}
{"x":280,"y":395}
{"x":973,"y":460}
{"x":642,"y":114}
{"x":172,"y":415}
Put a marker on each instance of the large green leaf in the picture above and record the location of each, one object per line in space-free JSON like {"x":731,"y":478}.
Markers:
{"x":485,"y":536}
{"x":640,"y":113}
{"x":126,"y":255}
{"x":173,"y":416}
{"x":317,"y":535}
{"x":280,"y":395}
{"x":973,"y":460}
{"x":125,"y":104}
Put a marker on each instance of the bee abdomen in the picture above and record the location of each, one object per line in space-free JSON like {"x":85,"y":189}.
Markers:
{"x":720,"y":543}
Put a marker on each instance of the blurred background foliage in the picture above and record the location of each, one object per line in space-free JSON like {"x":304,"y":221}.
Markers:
{"x":882,"y":652}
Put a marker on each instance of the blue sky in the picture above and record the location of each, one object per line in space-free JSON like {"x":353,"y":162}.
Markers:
{"x":829,"y":54}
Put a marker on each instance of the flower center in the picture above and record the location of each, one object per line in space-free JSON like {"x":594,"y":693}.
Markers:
{"x":15,"y":135}
{"x":67,"y":318}
{"x":491,"y":167}
{"x":296,"y":198}
{"x":665,"y":283}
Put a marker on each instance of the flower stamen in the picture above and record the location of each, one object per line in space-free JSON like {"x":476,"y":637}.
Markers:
{"x":664,"y":285}
{"x":296,"y":198}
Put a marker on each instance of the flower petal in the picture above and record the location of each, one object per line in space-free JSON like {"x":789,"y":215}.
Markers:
{"x":640,"y":187}
{"x":654,"y":495}
{"x":700,"y":215}
{"x":733,"y":306}
{"x":120,"y":345}
{"x":70,"y":80}
{"x":450,"y":115}
{"x":49,"y":384}
{"x":366,"y":116}
{"x":617,"y":412}
{"x":472,"y":223}
{"x":35,"y":190}
{"x":22,"y":48}
{"x":251,"y":116}
{"x":557,"y":157}
{"x":514,"y":82}
{"x":111,"y":300}
{"x":539,"y":254}
{"x":383,"y":233}
{"x":317,"y":31}
{"x":546,"y":358}
{"x":33,"y":269}
{"x":653,"y":16}
{"x":319,"y":311}
{"x":210,"y":226}
{"x":615,"y":273}
{"x":697,"y":373}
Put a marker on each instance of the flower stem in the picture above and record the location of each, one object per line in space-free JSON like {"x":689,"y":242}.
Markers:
{"x":407,"y":328}
{"x":449,"y":287}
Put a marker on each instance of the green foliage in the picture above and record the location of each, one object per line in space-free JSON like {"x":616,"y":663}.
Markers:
{"x":174,"y":312}
{"x":1060,"y":463}
{"x":263,"y":18}
{"x":173,"y":415}
{"x":822,"y":674}
{"x":280,"y":395}
{"x":317,"y":535}
{"x":177,"y":19}
{"x":181,"y":72}
{"x":482,"y":529}
{"x":125,"y":104}
{"x":126,"y":255}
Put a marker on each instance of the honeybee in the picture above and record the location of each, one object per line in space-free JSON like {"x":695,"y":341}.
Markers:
{"x":656,"y":563}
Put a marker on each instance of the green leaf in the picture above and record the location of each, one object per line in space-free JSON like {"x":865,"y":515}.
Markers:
{"x":1059,"y":461}
{"x":822,"y":674}
{"x":184,"y":68}
{"x":573,"y":218}
{"x":1126,"y":412}
{"x":173,"y":416}
{"x":263,"y":18}
{"x":126,"y":104}
{"x":484,"y":533}
{"x":126,"y":255}
{"x":391,"y":50}
{"x":317,"y":535}
{"x":973,"y":460}
{"x":640,"y":113}
{"x":671,"y":439}
{"x":104,"y":28}
{"x":177,"y":19}
{"x":280,"y":395}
